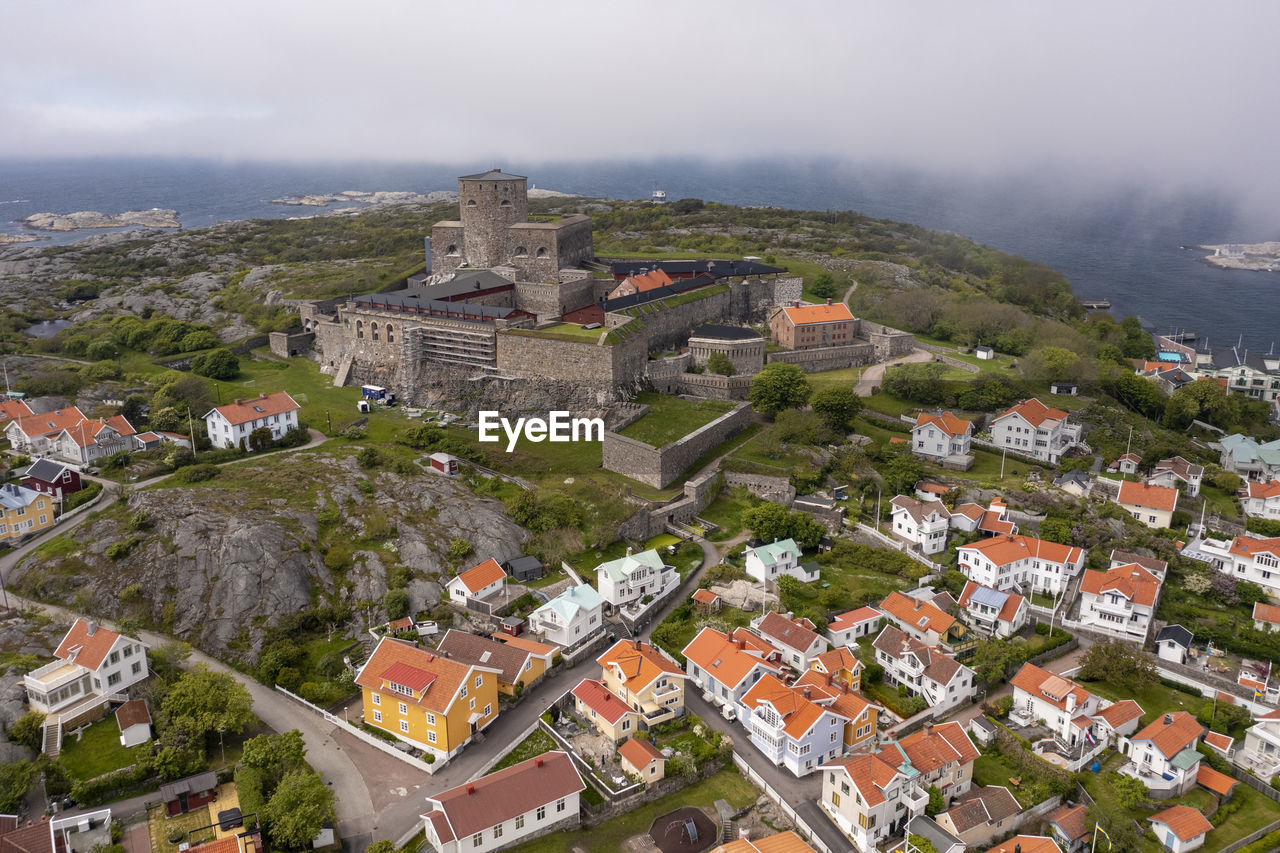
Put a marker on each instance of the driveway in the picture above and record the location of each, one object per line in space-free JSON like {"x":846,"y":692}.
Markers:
{"x":872,"y":376}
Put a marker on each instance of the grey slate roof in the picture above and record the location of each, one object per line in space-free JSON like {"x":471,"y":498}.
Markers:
{"x":466,"y":282}
{"x":1177,"y":634}
{"x":192,"y":784}
{"x":726,"y":333}
{"x":45,"y":470}
{"x":493,"y":175}
{"x":16,"y":497}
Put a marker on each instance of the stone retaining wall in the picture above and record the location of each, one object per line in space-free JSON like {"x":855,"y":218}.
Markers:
{"x":658,"y":467}
{"x":774,"y":489}
{"x":820,"y":359}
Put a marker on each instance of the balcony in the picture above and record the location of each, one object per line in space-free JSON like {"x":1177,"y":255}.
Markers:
{"x":915,"y":799}
{"x":53,"y":675}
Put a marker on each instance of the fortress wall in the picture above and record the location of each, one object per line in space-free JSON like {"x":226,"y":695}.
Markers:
{"x":535,"y":357}
{"x":818,"y":359}
{"x":659,"y":466}
{"x":715,"y":387}
{"x":664,"y":374}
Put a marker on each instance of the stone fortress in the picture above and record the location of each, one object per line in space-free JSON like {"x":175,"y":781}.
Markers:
{"x":520,"y":315}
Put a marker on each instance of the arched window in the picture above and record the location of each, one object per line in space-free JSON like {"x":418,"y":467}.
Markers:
{"x":373,"y":331}
{"x":505,"y":203}
{"x":471,"y":202}
{"x":452,"y":250}
{"x":521,"y":252}
{"x":360,"y":330}
{"x":391,"y":335}
{"x":542,"y":251}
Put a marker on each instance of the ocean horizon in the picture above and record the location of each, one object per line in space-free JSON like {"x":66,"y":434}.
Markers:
{"x":1120,"y":243}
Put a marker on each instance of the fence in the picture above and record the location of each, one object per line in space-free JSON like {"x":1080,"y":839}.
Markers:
{"x":355,"y":731}
{"x":801,"y":824}
{"x":897,"y":544}
{"x":586,"y":769}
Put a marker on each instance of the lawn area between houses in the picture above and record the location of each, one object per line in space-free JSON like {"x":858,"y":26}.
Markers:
{"x":728,"y":785}
{"x":534,"y":745}
{"x":671,"y":418}
{"x":1155,"y":700}
{"x":97,"y":751}
{"x":726,"y":512}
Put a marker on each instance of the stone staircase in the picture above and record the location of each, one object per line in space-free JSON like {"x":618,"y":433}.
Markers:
{"x":52,"y":736}
{"x":344,"y":370}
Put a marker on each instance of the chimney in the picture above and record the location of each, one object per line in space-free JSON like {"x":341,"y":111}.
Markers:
{"x":238,"y":401}
{"x":806,"y":693}
{"x":828,"y":300}
{"x":1168,"y":719}
{"x":539,"y":761}
{"x":797,"y":304}
{"x":628,"y":550}
{"x":471,"y":789}
{"x":90,"y":628}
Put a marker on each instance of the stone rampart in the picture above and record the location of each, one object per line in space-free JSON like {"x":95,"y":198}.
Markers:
{"x":888,"y":342}
{"x":290,"y":343}
{"x":553,"y":299}
{"x":664,"y":374}
{"x":667,"y":326}
{"x":715,"y":387}
{"x":659,"y":466}
{"x":531,"y":356}
{"x":818,"y":359}
{"x":774,"y":489}
{"x":753,"y":297}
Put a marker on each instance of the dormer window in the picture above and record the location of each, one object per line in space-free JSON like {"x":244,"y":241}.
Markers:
{"x":400,"y":688}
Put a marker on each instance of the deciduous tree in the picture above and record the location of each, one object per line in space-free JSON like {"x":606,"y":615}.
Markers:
{"x":777,"y":387}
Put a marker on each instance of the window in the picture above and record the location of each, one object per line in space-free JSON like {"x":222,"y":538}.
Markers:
{"x":390,"y":334}
{"x":479,"y":679}
{"x":44,"y":519}
{"x":431,"y":719}
{"x":128,"y":651}
{"x":113,"y":679}
{"x":473,"y":704}
{"x":488,"y":709}
{"x":626,"y":724}
{"x":376,"y":699}
{"x":560,"y":805}
{"x":115,"y":657}
{"x":497,"y":832}
{"x":519,"y":821}
{"x":137,"y":667}
{"x":377,"y":716}
{"x":463,"y":693}
{"x":404,"y":708}
{"x":542,"y":813}
{"x":478,"y":838}
{"x":431,"y":737}
{"x":835,"y":798}
{"x":404,"y":725}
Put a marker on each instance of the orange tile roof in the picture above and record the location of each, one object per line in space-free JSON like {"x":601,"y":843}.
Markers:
{"x":1244,"y":546}
{"x":639,"y":664}
{"x":651,"y":280}
{"x":706,"y":596}
{"x":50,"y":423}
{"x":531,"y":646}
{"x":1035,"y":413}
{"x":1045,"y":685}
{"x":227,"y":844}
{"x":805,"y":314}
{"x":799,"y":714}
{"x":837,"y":660}
{"x":598,"y":698}
{"x":869,"y":773}
{"x":1003,"y":550}
{"x":1183,"y":821}
{"x":782,"y":842}
{"x":639,"y":753}
{"x":945,"y":421}
{"x":243,"y":411}
{"x":14,"y":409}
{"x":1220,"y":742}
{"x":1266,"y":613}
{"x":972,"y":511}
{"x":992,"y":522}
{"x":919,"y":615}
{"x":932,"y":488}
{"x":1132,"y":581}
{"x":1119,"y":713}
{"x":398,"y":656}
{"x":1171,"y":733}
{"x":1027,"y":844}
{"x":1070,"y":819}
{"x":937,"y":746}
{"x":478,"y":577}
{"x":845,"y":621}
{"x":80,"y":647}
{"x":1149,"y":497}
{"x":1263,"y":490}
{"x":1219,"y":783}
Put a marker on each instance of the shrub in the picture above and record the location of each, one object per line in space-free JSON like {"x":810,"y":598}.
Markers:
{"x":28,"y":730}
{"x":197,"y":473}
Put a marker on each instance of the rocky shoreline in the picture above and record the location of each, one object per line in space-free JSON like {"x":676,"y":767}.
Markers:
{"x":154,"y":218}
{"x":1261,"y":257}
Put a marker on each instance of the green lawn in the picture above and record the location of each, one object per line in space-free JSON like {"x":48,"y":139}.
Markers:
{"x":1220,"y":502}
{"x":585,"y":562}
{"x":97,"y":751}
{"x":728,"y":785}
{"x":991,"y":769}
{"x":535,"y":744}
{"x":886,"y":695}
{"x":671,"y":418}
{"x":1156,"y":700}
{"x":887,"y":404}
{"x":572,"y":330}
{"x":726,"y":512}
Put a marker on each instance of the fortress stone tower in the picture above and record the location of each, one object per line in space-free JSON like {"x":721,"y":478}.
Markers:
{"x":493,"y":230}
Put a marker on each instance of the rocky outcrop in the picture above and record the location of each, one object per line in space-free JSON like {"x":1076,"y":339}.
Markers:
{"x":219,"y":564}
{"x":154,"y":218}
{"x":370,"y":198}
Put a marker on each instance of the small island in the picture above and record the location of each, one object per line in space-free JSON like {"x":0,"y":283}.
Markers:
{"x":361,"y":197}
{"x":1245,"y":256}
{"x":154,"y":218}
{"x":6,"y":239}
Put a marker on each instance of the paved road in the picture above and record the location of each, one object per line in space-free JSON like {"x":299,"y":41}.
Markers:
{"x":872,"y":376}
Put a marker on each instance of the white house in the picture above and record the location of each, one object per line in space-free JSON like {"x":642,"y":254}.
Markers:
{"x":1180,"y":828}
{"x":1163,"y":754}
{"x":93,"y":664}
{"x":1036,"y":430}
{"x":506,"y":807}
{"x":941,"y":753}
{"x":1065,"y":707}
{"x":788,"y":728}
{"x":1261,"y":500}
{"x":1171,"y":472}
{"x":1021,"y":562}
{"x":1119,"y":600}
{"x":232,"y":424}
{"x":794,"y":639}
{"x":68,"y":435}
{"x":1174,"y":642}
{"x":570,"y":617}
{"x":1260,"y":751}
{"x":941,"y":680}
{"x":1254,"y":560}
{"x":943,"y":438}
{"x":993,"y":612}
{"x":1249,"y":458}
{"x":923,"y":524}
{"x":770,"y":562}
{"x":477,"y":583}
{"x":727,"y":665}
{"x":1152,"y":505}
{"x":1128,"y":463}
{"x":923,"y":620}
{"x":633,"y":577}
{"x":134,"y":720}
{"x":870,"y":798}
{"x":847,"y":628}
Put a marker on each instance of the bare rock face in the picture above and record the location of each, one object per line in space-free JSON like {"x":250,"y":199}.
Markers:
{"x":155,"y":218}
{"x":219,"y":564}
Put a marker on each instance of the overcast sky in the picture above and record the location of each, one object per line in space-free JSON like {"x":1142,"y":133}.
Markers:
{"x":1170,"y":90}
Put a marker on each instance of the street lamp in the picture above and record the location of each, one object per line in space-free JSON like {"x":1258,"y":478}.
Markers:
{"x":221,"y":731}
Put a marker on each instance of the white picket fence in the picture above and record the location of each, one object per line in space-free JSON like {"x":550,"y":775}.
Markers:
{"x":355,"y":731}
